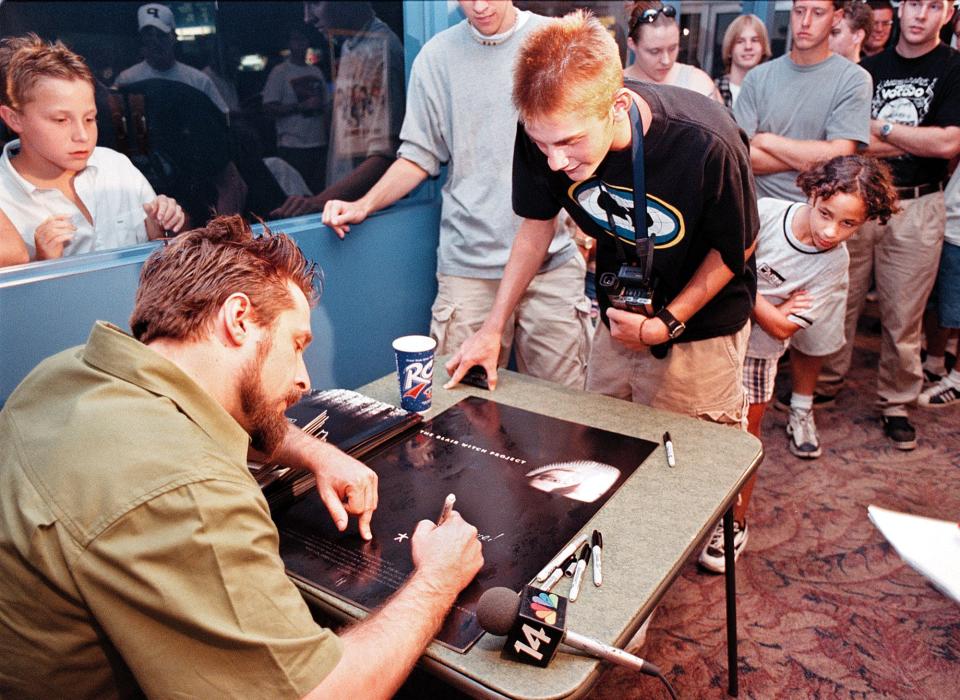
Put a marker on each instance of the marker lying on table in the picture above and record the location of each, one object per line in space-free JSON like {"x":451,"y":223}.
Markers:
{"x":583,"y":558}
{"x":447,"y":507}
{"x":561,"y":557}
{"x":557,"y":574}
{"x":596,"y":546}
{"x":668,"y":445}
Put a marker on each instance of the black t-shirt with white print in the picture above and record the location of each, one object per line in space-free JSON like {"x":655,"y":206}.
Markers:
{"x":700,"y":196}
{"x":923,"y":91}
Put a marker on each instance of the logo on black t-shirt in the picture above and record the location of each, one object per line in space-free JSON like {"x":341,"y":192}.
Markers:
{"x":610,"y":203}
{"x":903,"y":100}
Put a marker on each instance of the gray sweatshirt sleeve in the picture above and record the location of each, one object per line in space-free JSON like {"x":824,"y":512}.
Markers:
{"x":850,"y":116}
{"x":427,"y":121}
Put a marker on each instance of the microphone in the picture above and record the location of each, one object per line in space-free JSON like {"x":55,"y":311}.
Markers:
{"x":533,"y":623}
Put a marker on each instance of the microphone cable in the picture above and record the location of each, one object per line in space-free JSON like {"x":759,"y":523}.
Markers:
{"x":663,"y":678}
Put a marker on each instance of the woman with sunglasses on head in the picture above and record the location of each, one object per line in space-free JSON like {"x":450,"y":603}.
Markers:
{"x":654,"y":37}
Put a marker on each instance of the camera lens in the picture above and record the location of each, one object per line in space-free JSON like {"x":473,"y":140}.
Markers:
{"x":608,"y":280}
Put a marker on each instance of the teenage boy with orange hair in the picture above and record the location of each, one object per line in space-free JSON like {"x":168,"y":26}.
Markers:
{"x":574,"y":150}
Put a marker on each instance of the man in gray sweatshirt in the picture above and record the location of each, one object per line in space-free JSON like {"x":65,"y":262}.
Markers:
{"x":460,"y":113}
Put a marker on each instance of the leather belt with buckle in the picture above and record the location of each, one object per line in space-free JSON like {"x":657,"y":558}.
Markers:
{"x":919,"y":190}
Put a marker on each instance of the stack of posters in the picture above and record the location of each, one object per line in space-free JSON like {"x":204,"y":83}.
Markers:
{"x":353,"y":422}
{"x":528,"y":482}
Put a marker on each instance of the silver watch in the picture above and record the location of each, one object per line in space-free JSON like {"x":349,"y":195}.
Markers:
{"x":674,"y":327}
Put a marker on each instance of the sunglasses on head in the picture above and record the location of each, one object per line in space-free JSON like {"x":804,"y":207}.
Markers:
{"x":650,"y":16}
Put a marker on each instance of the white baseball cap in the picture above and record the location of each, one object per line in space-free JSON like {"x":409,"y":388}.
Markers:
{"x":156,"y":15}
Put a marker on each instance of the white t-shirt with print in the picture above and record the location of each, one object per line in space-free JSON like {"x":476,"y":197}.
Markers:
{"x":785,"y":265}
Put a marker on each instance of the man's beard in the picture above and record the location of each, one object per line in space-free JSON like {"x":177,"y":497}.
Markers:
{"x":266,"y":424}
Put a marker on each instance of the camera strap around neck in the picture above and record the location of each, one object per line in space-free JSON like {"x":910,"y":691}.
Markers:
{"x":642,"y":239}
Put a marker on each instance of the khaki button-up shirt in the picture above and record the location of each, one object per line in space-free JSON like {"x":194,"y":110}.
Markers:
{"x":137,"y":552}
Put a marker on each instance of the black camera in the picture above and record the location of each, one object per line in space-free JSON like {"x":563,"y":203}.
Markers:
{"x":626,"y":290}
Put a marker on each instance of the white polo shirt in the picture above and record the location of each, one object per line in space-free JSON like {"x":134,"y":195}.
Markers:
{"x":111,"y":188}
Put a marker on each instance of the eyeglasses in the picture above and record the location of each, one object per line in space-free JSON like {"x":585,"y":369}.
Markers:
{"x":650,"y":16}
{"x":883,"y":23}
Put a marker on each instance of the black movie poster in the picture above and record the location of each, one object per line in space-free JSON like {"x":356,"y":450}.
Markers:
{"x":528,"y":483}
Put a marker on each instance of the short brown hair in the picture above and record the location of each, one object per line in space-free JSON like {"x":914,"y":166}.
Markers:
{"x":570,"y":64}
{"x":25,"y":60}
{"x":863,"y":176}
{"x":858,"y":15}
{"x":733,"y":33}
{"x":184,"y":283}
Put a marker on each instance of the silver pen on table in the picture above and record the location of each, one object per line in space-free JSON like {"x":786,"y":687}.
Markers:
{"x":557,"y":574}
{"x":561,"y":557}
{"x":552,"y":579}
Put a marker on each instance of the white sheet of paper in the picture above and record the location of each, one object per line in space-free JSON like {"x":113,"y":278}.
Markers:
{"x":930,"y":546}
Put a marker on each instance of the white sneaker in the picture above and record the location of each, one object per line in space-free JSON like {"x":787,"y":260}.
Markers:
{"x":712,"y":556}
{"x":941,"y":394}
{"x":804,"y":441}
{"x":930,"y":378}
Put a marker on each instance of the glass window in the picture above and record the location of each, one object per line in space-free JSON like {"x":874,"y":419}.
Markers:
{"x":780,"y":33}
{"x":690,"y":39}
{"x":233,"y":107}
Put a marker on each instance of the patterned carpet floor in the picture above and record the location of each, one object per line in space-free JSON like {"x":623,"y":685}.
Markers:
{"x":826,"y":608}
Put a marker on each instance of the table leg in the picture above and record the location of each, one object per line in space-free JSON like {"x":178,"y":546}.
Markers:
{"x":730,"y":577}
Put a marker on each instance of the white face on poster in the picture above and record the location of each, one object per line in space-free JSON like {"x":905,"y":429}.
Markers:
{"x":582,"y":480}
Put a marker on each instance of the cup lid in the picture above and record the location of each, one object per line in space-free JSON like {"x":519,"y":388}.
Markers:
{"x":414,"y":343}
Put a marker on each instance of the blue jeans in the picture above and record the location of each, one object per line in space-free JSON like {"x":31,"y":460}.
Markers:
{"x":946,"y":294}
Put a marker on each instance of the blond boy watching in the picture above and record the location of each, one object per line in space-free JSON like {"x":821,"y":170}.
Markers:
{"x":59,"y":192}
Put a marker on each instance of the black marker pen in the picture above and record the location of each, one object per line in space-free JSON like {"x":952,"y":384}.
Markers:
{"x":668,"y":445}
{"x":583,"y":558}
{"x":596,"y":544}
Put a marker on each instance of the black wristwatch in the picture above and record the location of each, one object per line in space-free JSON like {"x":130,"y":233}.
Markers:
{"x":674,"y":327}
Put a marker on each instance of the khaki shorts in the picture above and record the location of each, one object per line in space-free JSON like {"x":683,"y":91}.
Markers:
{"x":549,"y":331}
{"x":702,"y":378}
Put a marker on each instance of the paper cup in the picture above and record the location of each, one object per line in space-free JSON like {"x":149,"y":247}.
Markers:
{"x":415,"y":371}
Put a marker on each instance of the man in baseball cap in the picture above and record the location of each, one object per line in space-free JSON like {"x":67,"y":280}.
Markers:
{"x":156,"y":15}
{"x":156,"y":25}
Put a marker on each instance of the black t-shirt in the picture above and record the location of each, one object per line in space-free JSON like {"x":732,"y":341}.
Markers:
{"x":922,"y":91}
{"x":700,"y":196}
